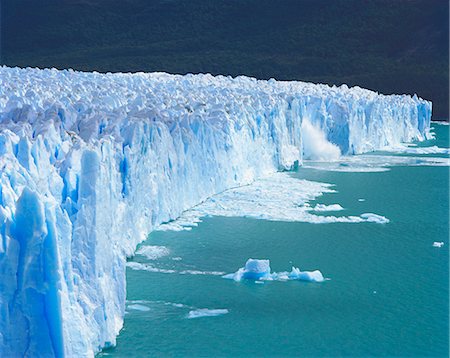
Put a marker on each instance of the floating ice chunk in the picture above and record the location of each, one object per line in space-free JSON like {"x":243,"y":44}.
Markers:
{"x":205,"y":312}
{"x":332,"y":207}
{"x":438,"y":244}
{"x":138,"y":307}
{"x":153,"y":252}
{"x":374,"y":218}
{"x":260,"y":270}
{"x":256,"y":269}
{"x":311,"y":276}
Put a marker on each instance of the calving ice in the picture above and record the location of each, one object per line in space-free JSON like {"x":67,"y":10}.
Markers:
{"x":91,"y":163}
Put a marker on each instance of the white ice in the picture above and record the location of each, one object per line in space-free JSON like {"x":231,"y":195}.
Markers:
{"x":205,"y":312}
{"x":138,"y":307}
{"x":277,"y":197}
{"x":153,"y":252}
{"x":331,"y":207}
{"x":259,"y":270}
{"x":137,"y":266}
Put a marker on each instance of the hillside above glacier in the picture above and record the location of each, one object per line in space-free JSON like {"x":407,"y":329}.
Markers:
{"x":91,"y":163}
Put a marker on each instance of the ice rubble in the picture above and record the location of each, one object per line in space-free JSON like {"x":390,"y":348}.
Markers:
{"x":153,"y":252}
{"x":278,"y":197}
{"x":91,"y":163}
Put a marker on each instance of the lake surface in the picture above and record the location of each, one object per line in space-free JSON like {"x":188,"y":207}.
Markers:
{"x":388,"y":287}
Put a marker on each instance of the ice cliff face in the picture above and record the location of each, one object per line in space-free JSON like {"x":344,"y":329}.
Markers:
{"x":91,"y":163}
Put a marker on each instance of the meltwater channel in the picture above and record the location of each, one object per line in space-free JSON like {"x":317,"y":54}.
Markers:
{"x":387,"y":293}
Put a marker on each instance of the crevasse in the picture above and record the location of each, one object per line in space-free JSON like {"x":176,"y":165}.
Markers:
{"x":91,"y":163}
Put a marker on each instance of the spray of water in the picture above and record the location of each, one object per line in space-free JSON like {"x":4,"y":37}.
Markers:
{"x":315,"y":144}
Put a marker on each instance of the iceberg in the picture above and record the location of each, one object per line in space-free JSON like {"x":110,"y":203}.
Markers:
{"x":91,"y":163}
{"x":259,"y":270}
{"x":254,"y":269}
{"x":438,"y":244}
{"x":311,"y":276}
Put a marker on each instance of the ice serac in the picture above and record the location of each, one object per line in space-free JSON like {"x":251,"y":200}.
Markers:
{"x":91,"y":163}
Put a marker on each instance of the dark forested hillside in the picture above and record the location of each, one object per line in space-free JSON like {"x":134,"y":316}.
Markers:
{"x":393,"y":46}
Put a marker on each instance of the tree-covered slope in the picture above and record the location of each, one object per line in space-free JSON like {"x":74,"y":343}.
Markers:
{"x":396,"y":46}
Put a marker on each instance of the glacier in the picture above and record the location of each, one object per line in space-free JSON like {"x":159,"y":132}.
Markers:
{"x":92,"y":163}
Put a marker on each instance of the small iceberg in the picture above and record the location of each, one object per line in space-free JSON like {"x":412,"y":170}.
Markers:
{"x":438,"y":244}
{"x":256,"y":270}
{"x":311,"y":276}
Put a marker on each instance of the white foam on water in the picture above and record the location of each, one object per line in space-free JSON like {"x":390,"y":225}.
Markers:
{"x":205,"y":312}
{"x":442,"y":123}
{"x":138,"y":307}
{"x":137,"y":266}
{"x":412,"y":149}
{"x":177,"y":305}
{"x":153,"y":252}
{"x":196,"y":272}
{"x":373,"y":163}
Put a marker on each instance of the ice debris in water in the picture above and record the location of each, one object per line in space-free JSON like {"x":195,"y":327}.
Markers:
{"x":278,"y":197}
{"x":332,"y":207}
{"x":438,"y":244}
{"x":205,"y":312}
{"x":256,"y":269}
{"x":374,"y":218}
{"x":153,"y":252}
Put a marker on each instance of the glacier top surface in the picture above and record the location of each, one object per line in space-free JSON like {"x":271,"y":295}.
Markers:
{"x":153,"y":96}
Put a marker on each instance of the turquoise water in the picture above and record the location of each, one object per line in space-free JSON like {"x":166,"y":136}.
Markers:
{"x":387,"y":294}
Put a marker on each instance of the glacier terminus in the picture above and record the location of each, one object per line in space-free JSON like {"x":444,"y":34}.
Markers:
{"x":91,"y":163}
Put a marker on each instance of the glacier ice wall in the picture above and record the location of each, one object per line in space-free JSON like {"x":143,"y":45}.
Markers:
{"x":91,"y":163}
